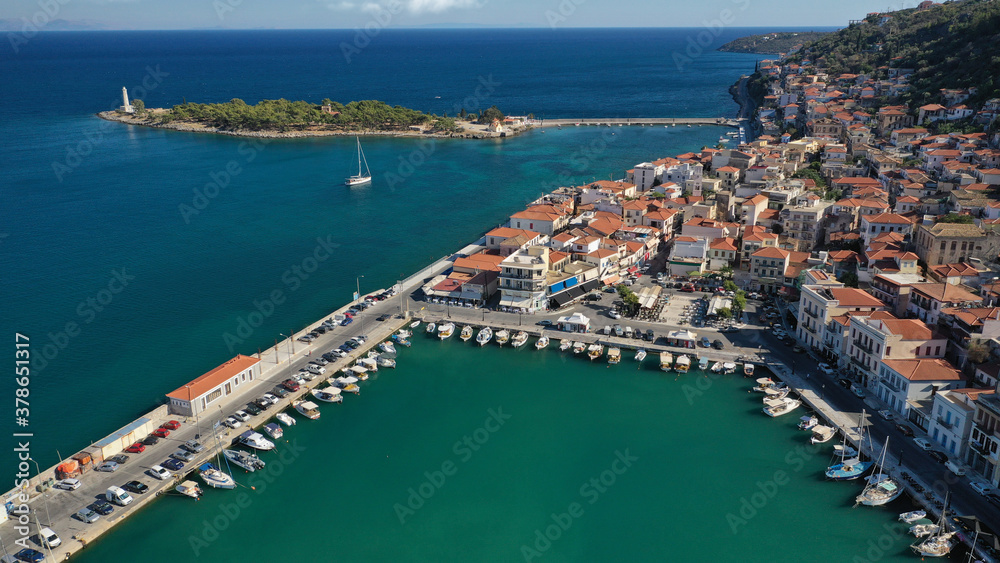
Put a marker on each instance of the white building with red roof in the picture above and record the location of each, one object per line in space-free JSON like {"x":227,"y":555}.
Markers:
{"x":212,"y":388}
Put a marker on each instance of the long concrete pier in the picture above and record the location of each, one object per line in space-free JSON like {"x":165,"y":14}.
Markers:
{"x":640,"y":121}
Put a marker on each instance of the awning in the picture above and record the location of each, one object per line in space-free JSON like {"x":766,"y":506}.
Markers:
{"x":506,"y":302}
{"x":611,"y":280}
{"x":590,"y":286}
{"x":561,"y":299}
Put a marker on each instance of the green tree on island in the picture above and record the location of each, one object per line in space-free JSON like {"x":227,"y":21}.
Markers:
{"x":491,"y":113}
{"x":139,"y":106}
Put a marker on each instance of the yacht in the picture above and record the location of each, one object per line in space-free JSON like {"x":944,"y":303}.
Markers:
{"x":703,"y":363}
{"x":285,"y":419}
{"x":778,"y":407}
{"x":243,"y":459}
{"x":484,"y":336}
{"x":189,"y":488}
{"x":565,"y":344}
{"x":822,"y":434}
{"x":467,"y":332}
{"x":666,"y":360}
{"x":748,"y":369}
{"x":361,"y":177}
{"x":640,"y":355}
{"x":911,"y":517}
{"x":503,"y":336}
{"x":541,"y":343}
{"x":255,"y":440}
{"x":215,"y":477}
{"x":881,"y":488}
{"x":519,"y":339}
{"x":307,"y":409}
{"x":446,"y":330}
{"x":273,"y":430}
{"x":595,"y":351}
{"x":614,"y":355}
{"x":579,"y":347}
{"x":328,"y":395}
{"x":683,"y":364}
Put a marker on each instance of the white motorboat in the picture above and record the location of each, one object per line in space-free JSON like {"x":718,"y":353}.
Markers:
{"x":328,"y":395}
{"x":519,"y":339}
{"x":924,"y":530}
{"x":285,"y":419}
{"x":595,"y":351}
{"x":431,"y":328}
{"x":484,"y":336}
{"x":776,"y":392}
{"x":342,"y":381}
{"x":255,"y":440}
{"x":467,"y":332}
{"x":844,"y":451}
{"x":361,"y":177}
{"x":446,"y":330}
{"x":764,"y":383}
{"x":640,"y":355}
{"x":703,"y":363}
{"x":682,"y":364}
{"x":243,"y":459}
{"x":748,"y":369}
{"x":357,"y":371}
{"x":215,"y":477}
{"x":368,"y":363}
{"x":716,"y":367}
{"x":614,"y":356}
{"x":579,"y":347}
{"x":666,"y":360}
{"x":881,"y":488}
{"x":728,"y":367}
{"x":913,"y":516}
{"x":387,"y":347}
{"x":403,"y":333}
{"x":414,"y":324}
{"x":273,"y":430}
{"x":307,"y":409}
{"x":822,"y":434}
{"x":808,"y":422}
{"x":386,"y":362}
{"x":778,"y":407}
{"x":352,"y":388}
{"x":565,"y":344}
{"x":503,"y":336}
{"x":541,"y":343}
{"x":189,"y":488}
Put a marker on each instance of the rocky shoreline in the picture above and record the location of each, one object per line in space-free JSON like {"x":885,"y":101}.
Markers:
{"x":195,"y":127}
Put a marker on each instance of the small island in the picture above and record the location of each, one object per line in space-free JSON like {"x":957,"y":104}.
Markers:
{"x":286,"y":119}
{"x":776,"y":43}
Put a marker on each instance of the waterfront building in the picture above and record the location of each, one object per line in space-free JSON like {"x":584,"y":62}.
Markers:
{"x":522,"y":280}
{"x":819,"y":304}
{"x":498,"y":236}
{"x":775,"y":270}
{"x":952,"y":413}
{"x":904,"y":384}
{"x":881,"y":336}
{"x":927,"y":300}
{"x":214,"y":386}
{"x":544,"y":219}
{"x":962,"y":326}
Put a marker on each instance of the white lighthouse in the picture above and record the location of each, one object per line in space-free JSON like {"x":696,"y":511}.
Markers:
{"x":126,"y":107}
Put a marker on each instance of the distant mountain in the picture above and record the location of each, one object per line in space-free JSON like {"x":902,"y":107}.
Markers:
{"x":780,"y":42}
{"x":950,"y":45}
{"x":8,"y":24}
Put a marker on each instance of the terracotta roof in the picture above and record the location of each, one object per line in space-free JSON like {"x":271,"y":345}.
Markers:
{"x":728,"y":169}
{"x":974,"y":317}
{"x":945,"y":292}
{"x":951,"y":270}
{"x":909,"y":329}
{"x":724,"y":243}
{"x":212,"y":379}
{"x":853,"y":297}
{"x":507,"y":232}
{"x":890,"y":218}
{"x":924,"y":370}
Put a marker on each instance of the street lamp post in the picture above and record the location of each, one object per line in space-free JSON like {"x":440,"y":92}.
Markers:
{"x":45,"y":498}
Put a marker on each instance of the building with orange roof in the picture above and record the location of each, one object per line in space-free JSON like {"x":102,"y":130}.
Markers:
{"x":496,"y":237}
{"x":820,"y":303}
{"x":211,"y":388}
{"x":960,"y":273}
{"x":881,"y":336}
{"x":546,"y":220}
{"x":967,"y":324}
{"x":877,"y":224}
{"x":954,"y":411}
{"x":722,"y":252}
{"x":903,"y":384}
{"x":775,"y":270}
{"x":755,"y":238}
{"x":929,"y":299}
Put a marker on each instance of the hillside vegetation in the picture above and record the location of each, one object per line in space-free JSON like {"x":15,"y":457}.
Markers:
{"x":772,"y":43}
{"x":953,"y":45}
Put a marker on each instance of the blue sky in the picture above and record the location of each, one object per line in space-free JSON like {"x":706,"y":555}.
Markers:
{"x":312,"y":14}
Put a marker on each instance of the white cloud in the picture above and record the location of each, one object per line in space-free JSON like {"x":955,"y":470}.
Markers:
{"x":436,"y":6}
{"x":341,"y":6}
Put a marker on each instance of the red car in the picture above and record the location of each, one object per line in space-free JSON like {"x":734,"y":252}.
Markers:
{"x":290,"y":384}
{"x":136,"y":448}
{"x":171,"y":425}
{"x":161,"y":432}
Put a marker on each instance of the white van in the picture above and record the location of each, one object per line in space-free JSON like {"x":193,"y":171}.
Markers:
{"x":117,"y":495}
{"x":48,"y":538}
{"x":955,"y":468}
{"x":315,"y":369}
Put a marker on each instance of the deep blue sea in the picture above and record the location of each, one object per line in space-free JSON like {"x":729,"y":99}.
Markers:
{"x":127,"y":297}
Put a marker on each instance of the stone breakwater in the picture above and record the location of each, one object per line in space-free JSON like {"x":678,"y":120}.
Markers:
{"x":194,"y":127}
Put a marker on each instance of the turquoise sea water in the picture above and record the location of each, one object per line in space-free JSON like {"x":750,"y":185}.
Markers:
{"x":699,"y":451}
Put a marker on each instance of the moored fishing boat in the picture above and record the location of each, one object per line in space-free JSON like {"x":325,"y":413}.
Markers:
{"x":763,"y":383}
{"x":541,"y":343}
{"x":822,"y":434}
{"x":640,"y":355}
{"x":189,"y":488}
{"x":243,"y":459}
{"x":778,"y":407}
{"x":503,"y":336}
{"x":352,"y":388}
{"x":446,"y":330}
{"x":913,"y":516}
{"x":255,"y":440}
{"x":703,"y":363}
{"x":414,"y":324}
{"x":368,"y":363}
{"x":467,"y":332}
{"x":519,"y":339}
{"x":682,"y":364}
{"x":565,"y":344}
{"x":484,"y":336}
{"x":614,"y":355}
{"x":728,"y":367}
{"x":307,"y":409}
{"x":215,"y":477}
{"x":401,"y":340}
{"x":776,"y":392}
{"x":386,"y":362}
{"x":748,"y":369}
{"x":328,"y":395}
{"x":666,"y":360}
{"x":717,"y":367}
{"x":387,"y":347}
{"x":808,"y":422}
{"x":579,"y":347}
{"x":595,"y":351}
{"x":273,"y":430}
{"x":285,"y":419}
{"x":431,"y":328}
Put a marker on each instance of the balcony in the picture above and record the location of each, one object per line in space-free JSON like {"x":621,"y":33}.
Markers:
{"x":812,"y":314}
{"x":945,"y":424}
{"x":865,"y":347}
{"x":809,"y":329}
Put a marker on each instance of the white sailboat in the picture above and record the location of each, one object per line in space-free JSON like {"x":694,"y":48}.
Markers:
{"x":939,"y":543}
{"x":881,"y":488}
{"x":360,"y":178}
{"x":215,"y":477}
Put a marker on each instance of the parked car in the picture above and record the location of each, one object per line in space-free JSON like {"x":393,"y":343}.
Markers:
{"x":346,"y":321}
{"x":845,"y":383}
{"x":173,"y":464}
{"x":136,"y":487}
{"x":193,"y":446}
{"x":938,"y":456}
{"x":280,"y":391}
{"x":183,"y":455}
{"x":136,"y":448}
{"x":272,"y":399}
{"x":120,"y":459}
{"x":981,"y":487}
{"x":171,"y":425}
{"x":384,"y":317}
{"x":544,"y":322}
{"x":87,"y":514}
{"x":705,"y":342}
{"x":232,"y":422}
{"x":906,"y":430}
{"x":257,"y":406}
{"x":718,"y":345}
{"x":650,"y":336}
{"x":68,"y":484}
{"x":159,"y":472}
{"x":48,"y":538}
{"x":618,"y":330}
{"x":161,"y":432}
{"x":150,"y":440}
{"x":107,"y":467}
{"x":825,"y":368}
{"x":993,"y":498}
{"x":291,"y":385}
{"x":922,"y":443}
{"x":30,"y":555}
{"x":102,"y":507}
{"x":858,"y":391}
{"x":241,"y":415}
{"x":887,"y":415}
{"x":614,"y":314}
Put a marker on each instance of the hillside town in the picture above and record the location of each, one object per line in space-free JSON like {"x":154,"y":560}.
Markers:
{"x":880,"y":239}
